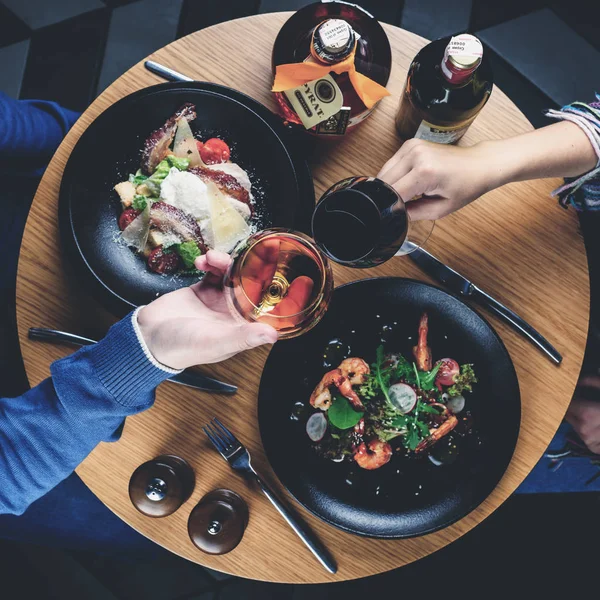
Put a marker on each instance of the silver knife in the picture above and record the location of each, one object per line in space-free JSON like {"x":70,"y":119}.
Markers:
{"x":200,"y":382}
{"x":461,"y":285}
{"x":165,"y":72}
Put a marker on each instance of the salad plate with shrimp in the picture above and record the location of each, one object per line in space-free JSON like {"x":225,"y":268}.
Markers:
{"x":167,"y":173}
{"x":400,"y":414}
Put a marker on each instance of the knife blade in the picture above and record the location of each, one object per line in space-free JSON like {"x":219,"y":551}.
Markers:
{"x":459,"y":284}
{"x":195,"y":380}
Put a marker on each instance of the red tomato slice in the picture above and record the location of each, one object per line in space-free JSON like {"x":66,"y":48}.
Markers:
{"x":199,"y":145}
{"x":127,"y":216}
{"x":448,"y":370}
{"x":214,"y":151}
{"x":160,"y":262}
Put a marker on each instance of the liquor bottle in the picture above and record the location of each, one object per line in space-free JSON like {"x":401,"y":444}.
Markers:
{"x":448,"y":83}
{"x":331,"y":62}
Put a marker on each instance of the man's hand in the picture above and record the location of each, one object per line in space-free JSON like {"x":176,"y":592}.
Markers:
{"x":584,"y":412}
{"x":193,"y":326}
{"x":447,"y":177}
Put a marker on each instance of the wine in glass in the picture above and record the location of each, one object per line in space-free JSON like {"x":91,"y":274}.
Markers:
{"x":279,"y":277}
{"x":362,"y":222}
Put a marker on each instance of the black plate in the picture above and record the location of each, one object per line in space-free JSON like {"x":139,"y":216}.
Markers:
{"x":421,"y":498}
{"x":110,"y":149}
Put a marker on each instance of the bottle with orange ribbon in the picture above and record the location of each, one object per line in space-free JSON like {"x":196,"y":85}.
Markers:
{"x":331,"y":61}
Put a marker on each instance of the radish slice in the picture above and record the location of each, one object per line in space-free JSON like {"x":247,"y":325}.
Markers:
{"x":403,"y":397}
{"x":316,"y":426}
{"x":185,"y":145}
{"x":456,"y":404}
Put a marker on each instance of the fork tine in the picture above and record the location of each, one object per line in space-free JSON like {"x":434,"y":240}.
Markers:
{"x":216,"y":441}
{"x":230,"y":437}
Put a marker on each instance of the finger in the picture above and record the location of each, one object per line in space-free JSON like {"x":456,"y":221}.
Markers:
{"x":430,"y":208}
{"x":411,"y":185}
{"x":394,"y":169}
{"x":213,"y":262}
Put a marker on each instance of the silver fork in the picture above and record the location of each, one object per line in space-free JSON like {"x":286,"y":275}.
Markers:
{"x":238,"y":457}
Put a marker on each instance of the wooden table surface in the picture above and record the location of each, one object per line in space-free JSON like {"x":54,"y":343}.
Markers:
{"x":515,"y":242}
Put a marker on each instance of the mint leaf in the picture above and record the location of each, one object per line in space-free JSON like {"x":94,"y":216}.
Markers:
{"x":342,"y":415}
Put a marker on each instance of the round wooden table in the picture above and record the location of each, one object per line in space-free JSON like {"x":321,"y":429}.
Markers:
{"x":515,"y":242}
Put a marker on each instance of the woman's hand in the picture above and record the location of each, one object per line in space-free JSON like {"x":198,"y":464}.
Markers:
{"x":447,"y":177}
{"x":584,"y":412}
{"x":193,"y":326}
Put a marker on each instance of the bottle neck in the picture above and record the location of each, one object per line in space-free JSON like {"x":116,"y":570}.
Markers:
{"x":455,"y":74}
{"x":332,"y":41}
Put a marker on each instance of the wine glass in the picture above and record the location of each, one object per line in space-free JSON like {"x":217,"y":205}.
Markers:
{"x":279,"y":277}
{"x":362,"y":222}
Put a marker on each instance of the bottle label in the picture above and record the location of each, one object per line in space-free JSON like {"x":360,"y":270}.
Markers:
{"x":316,"y":101}
{"x":440,"y":134}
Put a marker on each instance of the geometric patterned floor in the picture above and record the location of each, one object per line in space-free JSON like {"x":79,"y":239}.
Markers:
{"x":544,"y":53}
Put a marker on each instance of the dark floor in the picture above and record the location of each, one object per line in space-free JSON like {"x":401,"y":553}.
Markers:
{"x":545,"y":53}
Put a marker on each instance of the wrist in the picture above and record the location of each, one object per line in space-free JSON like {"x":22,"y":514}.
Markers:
{"x":146,"y":334}
{"x":498,"y":161}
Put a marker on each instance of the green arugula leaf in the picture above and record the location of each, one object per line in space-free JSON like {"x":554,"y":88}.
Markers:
{"x":382,"y":375}
{"x":417,"y":375}
{"x":342,"y":415}
{"x":427,"y":408}
{"x":427,"y":378}
{"x":412,"y":438}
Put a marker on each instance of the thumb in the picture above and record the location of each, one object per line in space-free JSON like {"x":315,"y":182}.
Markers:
{"x":256,"y":334}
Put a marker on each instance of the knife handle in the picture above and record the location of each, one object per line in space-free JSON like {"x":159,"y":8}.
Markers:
{"x":165,"y":72}
{"x":508,"y":315}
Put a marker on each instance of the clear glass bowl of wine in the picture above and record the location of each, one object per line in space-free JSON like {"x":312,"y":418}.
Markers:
{"x":279,"y":277}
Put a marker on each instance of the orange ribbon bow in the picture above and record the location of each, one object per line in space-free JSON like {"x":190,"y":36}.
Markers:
{"x":294,"y":75}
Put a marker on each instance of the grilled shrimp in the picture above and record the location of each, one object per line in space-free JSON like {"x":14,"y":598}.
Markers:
{"x":350,"y":372}
{"x":422,"y":352}
{"x":321,"y":396}
{"x":373,"y":455}
{"x":437,"y":434}
{"x":354,"y":371}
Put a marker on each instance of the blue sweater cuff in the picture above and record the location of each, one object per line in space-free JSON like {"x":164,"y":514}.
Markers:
{"x":124,"y":364}
{"x":116,"y":376}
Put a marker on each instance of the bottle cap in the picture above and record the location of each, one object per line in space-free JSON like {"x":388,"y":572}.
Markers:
{"x":465,"y":51}
{"x":217,"y":523}
{"x":462,"y":56}
{"x":333,"y":40}
{"x":160,"y":486}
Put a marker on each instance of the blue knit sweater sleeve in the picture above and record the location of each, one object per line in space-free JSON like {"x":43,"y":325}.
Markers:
{"x":48,"y":431}
{"x":30,"y":132}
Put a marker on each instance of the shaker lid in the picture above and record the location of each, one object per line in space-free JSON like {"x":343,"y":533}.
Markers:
{"x":160,"y":486}
{"x":217,"y":523}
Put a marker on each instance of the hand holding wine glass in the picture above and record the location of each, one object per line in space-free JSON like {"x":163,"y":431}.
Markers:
{"x":193,"y":325}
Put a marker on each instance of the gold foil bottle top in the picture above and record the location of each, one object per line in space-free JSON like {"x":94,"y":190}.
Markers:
{"x":464,"y":51}
{"x":333,"y":41}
